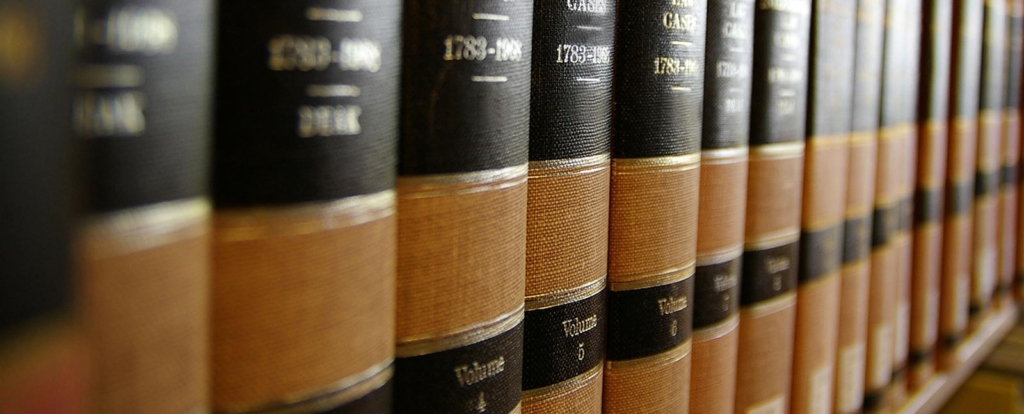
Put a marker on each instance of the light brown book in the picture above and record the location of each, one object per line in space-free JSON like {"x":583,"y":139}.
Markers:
{"x":1010,"y":152}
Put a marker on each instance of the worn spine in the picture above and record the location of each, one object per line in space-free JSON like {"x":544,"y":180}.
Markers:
{"x":932,"y":136}
{"x":140,"y":108}
{"x":830,"y":100}
{"x":567,"y":213}
{"x":721,"y":213}
{"x":774,"y":187}
{"x":960,"y":177}
{"x":462,"y":206}
{"x":659,"y":77}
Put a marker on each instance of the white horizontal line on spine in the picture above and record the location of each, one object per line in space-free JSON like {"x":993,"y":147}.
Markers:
{"x":595,"y":28}
{"x":490,"y":16}
{"x":332,"y":91}
{"x":588,"y":80}
{"x":680,"y":88}
{"x":489,"y":79}
{"x":681,"y":43}
{"x":334,"y":15}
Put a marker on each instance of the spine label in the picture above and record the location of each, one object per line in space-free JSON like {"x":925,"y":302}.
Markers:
{"x":928,"y":205}
{"x":856,"y":239}
{"x":820,"y":254}
{"x":727,"y":78}
{"x":649,"y":321}
{"x":959,"y":198}
{"x":716,"y":292}
{"x":769,"y":273}
{"x":477,"y":378}
{"x":884,"y":225}
{"x":564,"y":341}
{"x":779,"y":99}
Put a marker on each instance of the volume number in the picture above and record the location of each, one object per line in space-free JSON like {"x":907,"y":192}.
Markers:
{"x":468,"y":47}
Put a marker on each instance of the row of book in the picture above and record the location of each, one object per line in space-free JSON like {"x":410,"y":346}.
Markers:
{"x":498,"y":206}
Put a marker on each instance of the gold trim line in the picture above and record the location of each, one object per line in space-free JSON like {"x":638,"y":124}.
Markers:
{"x":436,"y":342}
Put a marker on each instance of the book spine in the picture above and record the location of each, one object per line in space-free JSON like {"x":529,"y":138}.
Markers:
{"x":830,"y":101}
{"x":774,"y":187}
{"x":933,"y":98}
{"x":567,"y":206}
{"x":462,"y":206}
{"x":139,"y":107}
{"x":722,"y":205}
{"x":860,"y":191}
{"x":989,"y":160}
{"x":659,"y":78}
{"x":306,"y":121}
{"x":1010,"y":151}
{"x":960,"y":172}
{"x":40,"y":347}
{"x":883,"y":295}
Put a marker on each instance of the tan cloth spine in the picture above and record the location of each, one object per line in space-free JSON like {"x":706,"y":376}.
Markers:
{"x":1008,"y":202}
{"x":720,"y":219}
{"x":302,"y":302}
{"x":817,"y":308}
{"x":566,"y":249}
{"x":956,"y":245}
{"x":44,"y":368}
{"x":903,"y":246}
{"x":766,"y":329}
{"x":653,"y":233}
{"x":986,"y":216}
{"x":142,"y":299}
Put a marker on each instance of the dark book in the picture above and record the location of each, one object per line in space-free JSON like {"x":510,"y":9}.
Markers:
{"x":462,"y":205}
{"x":140,"y":109}
{"x":659,"y":79}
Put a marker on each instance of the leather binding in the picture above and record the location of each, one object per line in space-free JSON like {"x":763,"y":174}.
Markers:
{"x":774,"y":186}
{"x":830,"y":101}
{"x":567,"y":212}
{"x":306,"y":128}
{"x":960,"y":175}
{"x":985,"y":267}
{"x":885,"y":261}
{"x":462,"y":206}
{"x":932,"y":137}
{"x":659,"y":78}
{"x":721,"y":212}
{"x":860,"y":191}
{"x":140,"y":109}
{"x":40,"y":347}
{"x":1010,"y":151}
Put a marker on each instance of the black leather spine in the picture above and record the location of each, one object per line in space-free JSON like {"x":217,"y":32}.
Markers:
{"x":727,"y":80}
{"x":779,"y":97}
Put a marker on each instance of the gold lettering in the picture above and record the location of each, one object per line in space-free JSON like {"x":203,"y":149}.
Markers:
{"x":475,"y":372}
{"x":670,"y":305}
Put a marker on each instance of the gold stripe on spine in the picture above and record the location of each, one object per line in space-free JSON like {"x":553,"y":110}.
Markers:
{"x":771,"y":305}
{"x":294,"y":220}
{"x":552,"y":299}
{"x":724,"y":155}
{"x":774,"y":239}
{"x":625,"y":166}
{"x":781,"y":150}
{"x":665,"y":358}
{"x":562,"y":388}
{"x":719,"y":256}
{"x":425,"y":186}
{"x":335,"y":395}
{"x":863,"y":138}
{"x":717,"y":330}
{"x":658,"y":279}
{"x":142,"y":228}
{"x":443,"y":341}
{"x":555,"y":168}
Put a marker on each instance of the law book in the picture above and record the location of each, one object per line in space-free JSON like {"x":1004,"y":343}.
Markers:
{"x":462,"y":206}
{"x":884,"y":284}
{"x":860,"y":193}
{"x":306,"y":129}
{"x":567,"y":206}
{"x":829,"y":119}
{"x":774,"y":187}
{"x":659,"y":93}
{"x":1010,"y":152}
{"x":960,"y":172}
{"x":932,"y":138}
{"x":722,"y":205}
{"x":989,"y":162}
{"x":41,"y":354}
{"x":140,"y":109}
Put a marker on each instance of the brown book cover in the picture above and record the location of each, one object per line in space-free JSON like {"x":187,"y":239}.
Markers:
{"x":1010,"y":151}
{"x":722,"y":210}
{"x":774,"y":187}
{"x":932,"y":137}
{"x":567,"y":213}
{"x":960,"y":171}
{"x":306,"y":120}
{"x":830,"y":102}
{"x":659,"y":72}
{"x":140,"y":109}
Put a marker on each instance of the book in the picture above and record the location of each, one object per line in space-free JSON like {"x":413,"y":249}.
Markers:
{"x":1010,"y":151}
{"x":462,"y":206}
{"x":860,"y":193}
{"x":41,"y":352}
{"x":567,"y":206}
{"x":960,"y":171}
{"x":989,"y":159}
{"x":774,"y":187}
{"x":722,"y":205}
{"x":659,"y":78}
{"x":932,"y":137}
{"x":829,"y":113}
{"x":306,"y":130}
{"x":140,"y":110}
